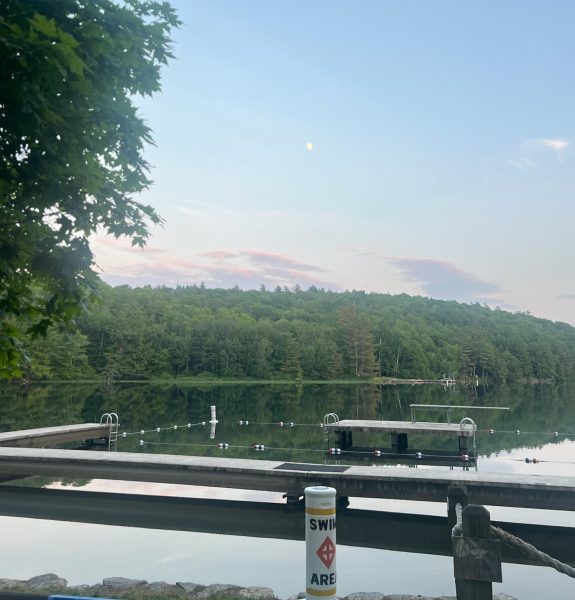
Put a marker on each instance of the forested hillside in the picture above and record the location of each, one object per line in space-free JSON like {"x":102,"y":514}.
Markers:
{"x":294,"y":334}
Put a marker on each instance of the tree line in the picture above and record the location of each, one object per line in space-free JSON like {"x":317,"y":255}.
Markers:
{"x":297,"y":335}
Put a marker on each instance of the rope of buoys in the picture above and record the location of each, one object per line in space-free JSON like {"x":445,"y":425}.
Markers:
{"x":519,"y":432}
{"x":535,"y":461}
{"x":226,"y":446}
{"x":246,"y":422}
{"x":159,"y":429}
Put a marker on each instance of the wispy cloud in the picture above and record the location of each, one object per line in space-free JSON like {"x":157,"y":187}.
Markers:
{"x":279,"y":261}
{"x":522,"y":163}
{"x":264,"y":259}
{"x":554,"y":144}
{"x":566,"y":297}
{"x":446,"y":281}
{"x":247,"y":269}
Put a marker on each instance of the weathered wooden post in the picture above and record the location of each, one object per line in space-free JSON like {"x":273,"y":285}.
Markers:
{"x":476,"y":557}
{"x":320,"y":543}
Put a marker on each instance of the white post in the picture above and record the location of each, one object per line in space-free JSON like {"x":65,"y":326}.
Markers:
{"x":213,"y":422}
{"x":320,"y":543}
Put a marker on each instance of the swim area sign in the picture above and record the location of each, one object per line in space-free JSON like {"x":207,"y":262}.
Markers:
{"x":320,"y":542}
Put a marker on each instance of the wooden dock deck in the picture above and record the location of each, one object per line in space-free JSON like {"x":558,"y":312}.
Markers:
{"x":46,"y":436}
{"x":497,"y":489}
{"x":400,"y":427}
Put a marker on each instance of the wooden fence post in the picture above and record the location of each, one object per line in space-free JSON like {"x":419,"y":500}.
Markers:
{"x":476,"y":557}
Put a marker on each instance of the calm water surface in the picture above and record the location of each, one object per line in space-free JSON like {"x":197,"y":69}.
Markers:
{"x":85,"y":553}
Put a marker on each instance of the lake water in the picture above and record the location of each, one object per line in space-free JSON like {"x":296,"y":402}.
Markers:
{"x":85,"y":553}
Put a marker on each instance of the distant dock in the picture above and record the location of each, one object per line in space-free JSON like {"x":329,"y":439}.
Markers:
{"x":47,"y":436}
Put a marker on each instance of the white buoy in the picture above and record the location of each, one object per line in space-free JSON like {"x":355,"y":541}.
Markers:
{"x":320,"y":543}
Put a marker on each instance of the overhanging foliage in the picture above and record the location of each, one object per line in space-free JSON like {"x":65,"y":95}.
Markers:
{"x":71,"y":149}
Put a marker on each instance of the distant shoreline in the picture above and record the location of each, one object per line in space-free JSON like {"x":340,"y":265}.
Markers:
{"x":222,"y":381}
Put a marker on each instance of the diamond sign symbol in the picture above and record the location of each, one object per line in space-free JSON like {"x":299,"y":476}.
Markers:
{"x":326,"y":552}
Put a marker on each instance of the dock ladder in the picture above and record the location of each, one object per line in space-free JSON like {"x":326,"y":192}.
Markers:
{"x":113,"y":422}
{"x":329,"y":419}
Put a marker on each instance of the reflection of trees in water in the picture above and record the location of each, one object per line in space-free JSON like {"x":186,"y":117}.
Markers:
{"x":538,"y":408}
{"x":37,"y":405}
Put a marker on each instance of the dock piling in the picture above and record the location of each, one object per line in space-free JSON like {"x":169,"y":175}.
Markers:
{"x":476,"y":557}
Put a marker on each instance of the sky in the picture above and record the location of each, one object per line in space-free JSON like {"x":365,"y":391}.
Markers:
{"x":394,"y":146}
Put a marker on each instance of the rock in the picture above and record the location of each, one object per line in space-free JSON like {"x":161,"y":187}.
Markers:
{"x":503,"y":597}
{"x":418,"y":597}
{"x":365,"y":596}
{"x":8,"y":584}
{"x":258,"y":593}
{"x":300,"y":596}
{"x":189,"y":587}
{"x":84,"y":587}
{"x":217,"y":588}
{"x":122,"y":583}
{"x":48,"y":580}
{"x":160,"y":587}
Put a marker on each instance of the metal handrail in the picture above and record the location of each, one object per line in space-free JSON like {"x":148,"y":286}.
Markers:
{"x":331,"y":419}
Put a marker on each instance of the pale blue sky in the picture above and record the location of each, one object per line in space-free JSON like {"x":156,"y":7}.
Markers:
{"x":442,"y":158}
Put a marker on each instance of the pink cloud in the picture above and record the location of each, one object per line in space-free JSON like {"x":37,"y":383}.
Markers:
{"x":247,"y":269}
{"x":278,"y":260}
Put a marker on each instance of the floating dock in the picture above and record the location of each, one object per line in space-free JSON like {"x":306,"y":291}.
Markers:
{"x":399,"y":430}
